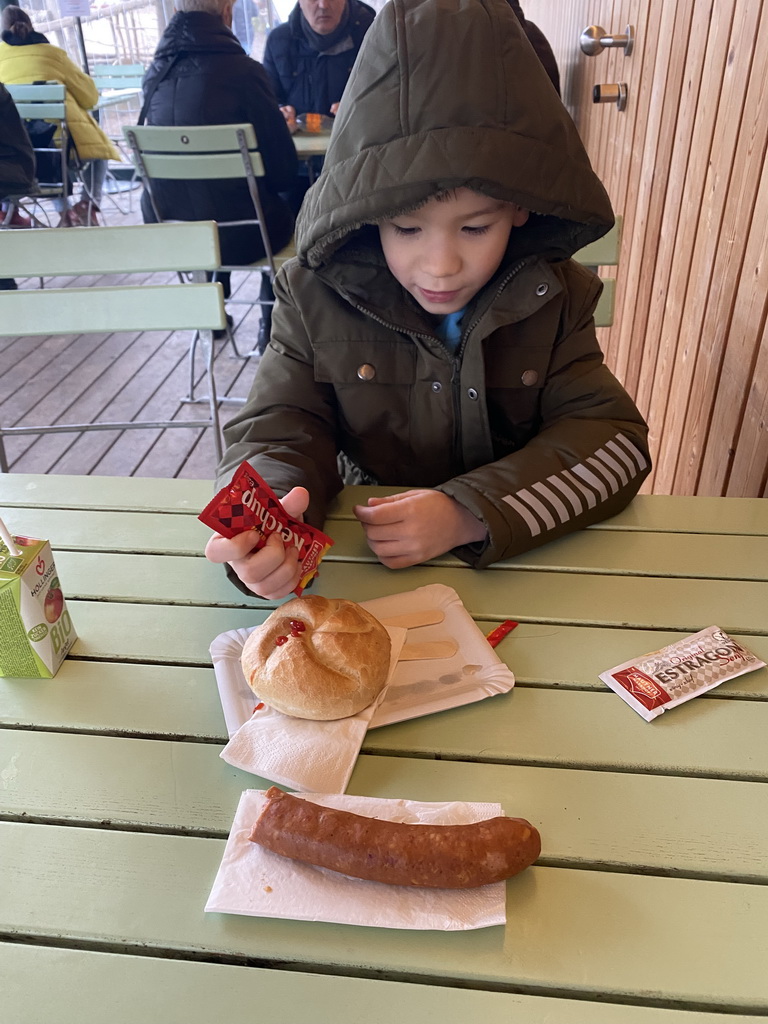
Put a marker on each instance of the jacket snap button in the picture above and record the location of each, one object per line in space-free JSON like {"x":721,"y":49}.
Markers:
{"x":529,"y":378}
{"x":437,"y":386}
{"x":542,"y":289}
{"x":366,"y":371}
{"x":472,"y":394}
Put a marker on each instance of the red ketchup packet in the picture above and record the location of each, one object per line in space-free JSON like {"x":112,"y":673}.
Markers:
{"x":249,"y":503}
{"x":496,"y":635}
{"x":653,"y":683}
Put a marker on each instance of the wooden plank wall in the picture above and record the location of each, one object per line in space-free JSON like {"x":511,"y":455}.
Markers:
{"x":686,"y":166}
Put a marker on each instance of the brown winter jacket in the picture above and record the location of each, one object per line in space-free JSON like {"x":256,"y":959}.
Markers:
{"x":524,"y":426}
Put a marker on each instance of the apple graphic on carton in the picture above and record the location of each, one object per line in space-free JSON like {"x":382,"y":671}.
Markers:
{"x":54,"y":603}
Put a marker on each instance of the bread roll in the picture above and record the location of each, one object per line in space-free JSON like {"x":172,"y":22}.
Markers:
{"x":333,"y":667}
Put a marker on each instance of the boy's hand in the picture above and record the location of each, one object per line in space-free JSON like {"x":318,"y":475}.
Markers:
{"x":272,"y":572}
{"x":412,"y":527}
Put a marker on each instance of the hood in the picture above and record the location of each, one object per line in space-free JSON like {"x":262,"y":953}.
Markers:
{"x":31,"y":40}
{"x":445,"y":94}
{"x":196,"y":32}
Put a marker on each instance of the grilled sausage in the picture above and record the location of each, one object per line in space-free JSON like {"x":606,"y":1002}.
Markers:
{"x":437,"y":856}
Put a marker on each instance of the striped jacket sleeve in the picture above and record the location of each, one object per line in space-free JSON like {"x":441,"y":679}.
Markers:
{"x":585,"y":464}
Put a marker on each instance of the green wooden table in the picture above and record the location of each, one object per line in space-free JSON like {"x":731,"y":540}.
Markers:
{"x":649,"y":904}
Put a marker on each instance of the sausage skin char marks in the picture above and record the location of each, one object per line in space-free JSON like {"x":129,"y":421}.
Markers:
{"x":435,"y":856}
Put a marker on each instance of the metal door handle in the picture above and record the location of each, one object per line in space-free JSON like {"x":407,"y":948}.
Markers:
{"x":594,"y":40}
{"x":614,"y":92}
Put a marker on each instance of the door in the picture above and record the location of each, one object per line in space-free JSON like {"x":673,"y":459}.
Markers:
{"x":684,"y":164}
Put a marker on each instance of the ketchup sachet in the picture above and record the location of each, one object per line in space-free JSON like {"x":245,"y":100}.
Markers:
{"x":249,"y":503}
{"x":496,"y":635}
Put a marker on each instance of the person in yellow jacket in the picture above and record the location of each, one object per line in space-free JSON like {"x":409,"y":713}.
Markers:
{"x":26,"y":57}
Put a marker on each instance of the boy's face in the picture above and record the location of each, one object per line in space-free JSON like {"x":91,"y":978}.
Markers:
{"x":444,"y":252}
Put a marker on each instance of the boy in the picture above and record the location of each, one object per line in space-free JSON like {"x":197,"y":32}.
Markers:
{"x":434,"y":333}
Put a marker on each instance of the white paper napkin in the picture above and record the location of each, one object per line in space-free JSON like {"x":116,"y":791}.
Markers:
{"x":253,"y":881}
{"x":303,"y":754}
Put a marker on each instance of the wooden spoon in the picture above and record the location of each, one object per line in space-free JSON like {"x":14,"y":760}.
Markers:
{"x":411,"y":620}
{"x":428,"y":650}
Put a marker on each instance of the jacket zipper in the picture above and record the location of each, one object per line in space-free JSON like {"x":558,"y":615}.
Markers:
{"x":456,"y":375}
{"x":391,"y":326}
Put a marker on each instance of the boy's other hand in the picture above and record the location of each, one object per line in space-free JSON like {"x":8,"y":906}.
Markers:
{"x":412,"y":527}
{"x":273,"y":571}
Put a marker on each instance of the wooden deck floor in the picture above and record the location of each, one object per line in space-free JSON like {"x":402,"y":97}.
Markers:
{"x":88,"y":378}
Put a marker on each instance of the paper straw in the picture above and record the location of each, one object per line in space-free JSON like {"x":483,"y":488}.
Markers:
{"x":7,"y":539}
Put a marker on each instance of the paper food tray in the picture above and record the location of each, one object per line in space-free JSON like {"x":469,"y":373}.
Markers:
{"x":255,"y":882}
{"x":417,"y":687}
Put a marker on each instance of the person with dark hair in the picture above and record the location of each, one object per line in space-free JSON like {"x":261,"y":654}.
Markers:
{"x":540,"y":43}
{"x":18,"y":220}
{"x":26,"y":57}
{"x":17,"y":160}
{"x":200,"y":74}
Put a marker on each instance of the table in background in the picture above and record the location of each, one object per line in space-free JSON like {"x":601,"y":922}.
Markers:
{"x":309,"y":145}
{"x":649,"y":904}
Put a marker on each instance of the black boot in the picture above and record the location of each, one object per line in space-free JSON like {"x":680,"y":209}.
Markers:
{"x":222,"y":331}
{"x":266,"y":297}
{"x":265,"y":327}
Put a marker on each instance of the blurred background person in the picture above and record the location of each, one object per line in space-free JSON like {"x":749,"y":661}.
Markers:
{"x":17,"y":160}
{"x":200,"y":74}
{"x":26,"y":57}
{"x":540,"y":43}
{"x":309,"y":59}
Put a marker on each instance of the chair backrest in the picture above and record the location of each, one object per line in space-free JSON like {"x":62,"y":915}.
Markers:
{"x":151,"y":248}
{"x":604,"y":253}
{"x":131,"y":306}
{"x":199,"y":153}
{"x":46,"y":102}
{"x":118,"y":84}
{"x":218,"y":151}
{"x":125,"y":306}
{"x":117,"y":76}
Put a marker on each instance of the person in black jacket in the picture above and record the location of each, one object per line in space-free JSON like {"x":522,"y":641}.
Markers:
{"x":17,"y":160}
{"x":540,"y":43}
{"x":200,"y":74}
{"x":310,"y":57}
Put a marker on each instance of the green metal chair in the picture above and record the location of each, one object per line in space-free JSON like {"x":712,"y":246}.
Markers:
{"x":603,"y":253}
{"x":120,"y":97}
{"x":131,"y":306}
{"x":118,"y":83}
{"x":37,"y":103}
{"x":206,"y":152}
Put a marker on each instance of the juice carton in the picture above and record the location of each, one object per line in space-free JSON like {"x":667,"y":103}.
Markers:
{"x":35,"y":628}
